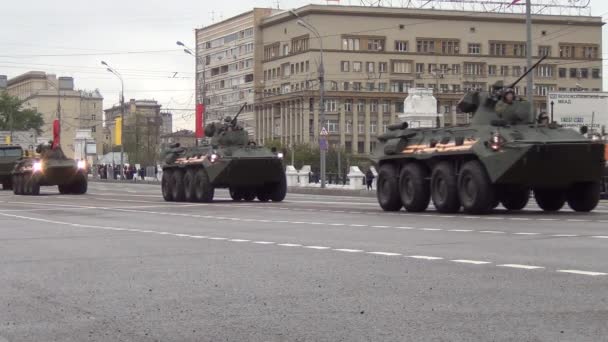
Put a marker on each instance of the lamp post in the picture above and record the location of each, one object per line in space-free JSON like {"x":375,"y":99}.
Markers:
{"x":321,"y":72}
{"x":202,"y":91}
{"x":122,"y":115}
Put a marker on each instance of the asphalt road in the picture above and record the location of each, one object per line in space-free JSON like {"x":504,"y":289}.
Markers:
{"x":119,"y":264}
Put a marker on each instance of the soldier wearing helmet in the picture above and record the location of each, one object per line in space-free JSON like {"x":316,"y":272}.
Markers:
{"x":506,"y":102}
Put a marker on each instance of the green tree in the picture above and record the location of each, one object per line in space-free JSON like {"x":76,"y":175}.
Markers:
{"x":22,"y":119}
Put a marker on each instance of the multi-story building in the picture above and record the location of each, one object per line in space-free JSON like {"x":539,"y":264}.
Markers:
{"x":56,"y":97}
{"x":166,"y":119}
{"x":372,"y":62}
{"x":184,"y":137}
{"x":3,"y":82}
{"x":226,"y":64}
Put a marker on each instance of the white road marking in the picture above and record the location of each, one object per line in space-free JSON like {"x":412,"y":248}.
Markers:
{"x":199,"y":236}
{"x":289,"y":244}
{"x":337,"y":224}
{"x":460,"y":230}
{"x":564,"y":235}
{"x":239,"y":240}
{"x":424,"y":257}
{"x":217,"y":238}
{"x":358,"y":225}
{"x":179,"y":235}
{"x":582,"y":272}
{"x":381,"y":226}
{"x":491,"y":231}
{"x":405,"y":228}
{"x":600,"y":237}
{"x":474,"y":262}
{"x":384,"y":253}
{"x":431,"y":229}
{"x":348,"y":250}
{"x":317,"y":247}
{"x":526,"y":233}
{"x":519,"y":219}
{"x":264,"y":242}
{"x":525,"y":267}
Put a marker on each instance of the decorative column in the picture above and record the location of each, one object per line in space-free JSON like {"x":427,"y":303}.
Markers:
{"x":366,"y":147}
{"x":305,"y":123}
{"x":342,"y":125}
{"x":380,"y":120}
{"x":393,"y":117}
{"x":355,"y":128}
{"x":272,"y":112}
{"x":315,"y":124}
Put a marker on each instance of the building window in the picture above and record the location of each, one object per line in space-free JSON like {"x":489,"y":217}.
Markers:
{"x":357,"y":66}
{"x":498,"y":49}
{"x":474,"y":49}
{"x":573,"y":72}
{"x":566,"y":51}
{"x":93,"y":129}
{"x":420,"y":68}
{"x":361,"y":106}
{"x":504,"y":70}
{"x":307,"y":66}
{"x":492,"y":70}
{"x":590,"y":52}
{"x":425,"y":46}
{"x":544,"y":50}
{"x":401,"y":86}
{"x":345,"y":66}
{"x":596,"y":73}
{"x":399,"y":107}
{"x":333,"y":85}
{"x":360,"y":128}
{"x":93,"y":116}
{"x":357,"y":86}
{"x":332,"y":126}
{"x":271,"y":51}
{"x":450,"y":47}
{"x":371,"y":67}
{"x":402,"y":67}
{"x":584,"y":73}
{"x":456,"y":69}
{"x":456,"y":88}
{"x":542,"y":90}
{"x":401,"y":46}
{"x":382,"y":67}
{"x":562,"y":72}
{"x":382,"y":87}
{"x":349,"y":128}
{"x":331,"y":105}
{"x":375,"y":45}
{"x":372,"y":127}
{"x":386,"y":106}
{"x":519,"y":50}
{"x":346,"y":86}
{"x":351,"y":44}
{"x":285,"y":50}
{"x":348,"y":105}
{"x":516,"y":71}
{"x":373,"y":106}
{"x":444,"y":88}
{"x":545,"y":71}
{"x":474,"y":68}
{"x":299,"y":44}
{"x":432,"y":68}
{"x":370,"y":86}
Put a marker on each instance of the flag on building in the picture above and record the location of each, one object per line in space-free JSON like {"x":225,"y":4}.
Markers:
{"x":56,"y":133}
{"x":118,"y":131}
{"x":199,"y":121}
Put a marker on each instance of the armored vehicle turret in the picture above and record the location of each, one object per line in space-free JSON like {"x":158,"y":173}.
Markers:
{"x":9,"y":155}
{"x":502,"y":156}
{"x":228,"y":159}
{"x":49,"y":167}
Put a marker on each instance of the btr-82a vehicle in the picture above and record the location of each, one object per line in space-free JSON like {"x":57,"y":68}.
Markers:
{"x":499,"y":158}
{"x":50,"y":167}
{"x":9,"y":155}
{"x":229,"y":160}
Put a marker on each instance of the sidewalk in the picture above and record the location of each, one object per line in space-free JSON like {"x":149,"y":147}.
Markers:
{"x":293,"y":190}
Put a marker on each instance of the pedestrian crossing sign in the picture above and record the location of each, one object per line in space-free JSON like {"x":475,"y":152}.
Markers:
{"x":323,"y":131}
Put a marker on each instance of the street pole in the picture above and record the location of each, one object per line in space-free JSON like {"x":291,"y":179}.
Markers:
{"x":552,"y":103}
{"x":122,"y":116}
{"x":530,"y":77}
{"x":200,"y":93}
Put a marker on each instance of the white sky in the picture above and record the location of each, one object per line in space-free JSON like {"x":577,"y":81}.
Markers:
{"x":71,"y":37}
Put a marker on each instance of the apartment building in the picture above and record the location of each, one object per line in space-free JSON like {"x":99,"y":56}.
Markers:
{"x":50,"y":95}
{"x":226,"y":65}
{"x":373,"y":55}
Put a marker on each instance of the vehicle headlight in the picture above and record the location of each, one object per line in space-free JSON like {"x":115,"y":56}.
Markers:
{"x":497,"y":141}
{"x":82,"y":164}
{"x":37,"y":167}
{"x":280,"y":155}
{"x":213,"y":157}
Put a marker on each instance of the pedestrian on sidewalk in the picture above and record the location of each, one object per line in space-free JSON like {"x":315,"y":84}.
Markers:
{"x":369,"y":178}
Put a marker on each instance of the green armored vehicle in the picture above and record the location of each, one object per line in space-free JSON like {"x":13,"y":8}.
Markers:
{"x":9,"y":155}
{"x":502,"y":156}
{"x":228,"y":160}
{"x":50,"y":167}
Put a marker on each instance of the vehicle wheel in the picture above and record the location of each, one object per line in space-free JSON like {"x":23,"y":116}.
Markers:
{"x":64,"y":189}
{"x":514,"y":197}
{"x":248,"y":195}
{"x":79,"y":185}
{"x":414,"y":188}
{"x":444,"y":188}
{"x":189,"y":185}
{"x":177,"y":185}
{"x":387,"y":191}
{"x":20,"y":185}
{"x":34,"y":186}
{"x":583,"y":197}
{"x":550,"y":199}
{"x":475,"y":190}
{"x":27,"y":184}
{"x":203,"y":189}
{"x":166,"y":185}
{"x":7,"y":185}
{"x":263,"y":194}
{"x":278,"y":191}
{"x":236,"y":194}
{"x":15,"y":179}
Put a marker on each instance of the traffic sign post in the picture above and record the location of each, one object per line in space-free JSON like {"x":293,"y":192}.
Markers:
{"x":323,"y":145}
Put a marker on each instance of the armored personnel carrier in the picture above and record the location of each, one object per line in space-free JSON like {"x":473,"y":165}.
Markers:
{"x":9,"y":155}
{"x":50,"y":167}
{"x":227,"y":160}
{"x":502,"y":156}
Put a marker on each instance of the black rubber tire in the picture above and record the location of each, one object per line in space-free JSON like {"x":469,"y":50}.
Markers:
{"x":177,"y":185}
{"x":583,"y":197}
{"x":19,"y":186}
{"x":444,"y":188}
{"x":414,"y":188}
{"x":476,"y":192}
{"x":514,"y":197}
{"x":165,"y":185}
{"x":64,"y":189}
{"x":550,"y":199}
{"x":387,"y":191}
{"x":248,"y":195}
{"x":278,"y":191}
{"x":203,"y":189}
{"x":34,"y":187}
{"x":15,"y":180}
{"x":189,"y":185}
{"x":236,"y":194}
{"x":7,"y":185}
{"x":262,"y":194}
{"x":79,"y":185}
{"x":27,"y":184}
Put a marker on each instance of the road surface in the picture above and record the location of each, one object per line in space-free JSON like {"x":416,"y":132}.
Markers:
{"x":120,"y":264}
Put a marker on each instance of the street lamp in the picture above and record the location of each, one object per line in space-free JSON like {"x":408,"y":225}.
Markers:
{"x":198,"y":60}
{"x":321,"y":72}
{"x":122,"y":115}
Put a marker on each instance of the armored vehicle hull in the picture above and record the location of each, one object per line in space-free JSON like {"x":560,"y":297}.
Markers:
{"x":51,"y":169}
{"x":9,"y":156}
{"x":497,"y":159}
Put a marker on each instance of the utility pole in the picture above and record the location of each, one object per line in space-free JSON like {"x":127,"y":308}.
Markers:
{"x":122,"y":116}
{"x":202,"y":91}
{"x":530,"y":77}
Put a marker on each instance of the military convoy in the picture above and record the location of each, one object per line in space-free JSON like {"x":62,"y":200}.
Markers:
{"x":229,"y":160}
{"x":9,"y":155}
{"x":51,"y":167}
{"x":499,"y":158}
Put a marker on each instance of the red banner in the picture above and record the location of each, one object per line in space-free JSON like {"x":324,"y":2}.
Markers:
{"x":56,"y":133}
{"x":514,"y":2}
{"x":199,"y":121}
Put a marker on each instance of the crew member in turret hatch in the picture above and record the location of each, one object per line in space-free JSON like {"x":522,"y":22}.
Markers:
{"x":505,"y":102}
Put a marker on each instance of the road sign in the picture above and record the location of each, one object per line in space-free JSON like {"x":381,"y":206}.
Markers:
{"x":323,"y":131}
{"x":323,"y":144}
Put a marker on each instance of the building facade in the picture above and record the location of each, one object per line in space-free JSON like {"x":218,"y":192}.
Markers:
{"x":166,"y":119}
{"x":56,"y":97}
{"x":226,"y":66}
{"x":369,"y":66}
{"x":184,"y":137}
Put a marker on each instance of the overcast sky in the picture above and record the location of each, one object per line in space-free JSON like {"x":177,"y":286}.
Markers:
{"x":71,"y":37}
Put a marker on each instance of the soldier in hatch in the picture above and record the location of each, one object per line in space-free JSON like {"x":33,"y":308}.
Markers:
{"x":506,"y":102}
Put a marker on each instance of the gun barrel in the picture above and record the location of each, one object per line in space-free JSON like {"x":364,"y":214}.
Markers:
{"x":528,"y":71}
{"x":233,"y":122}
